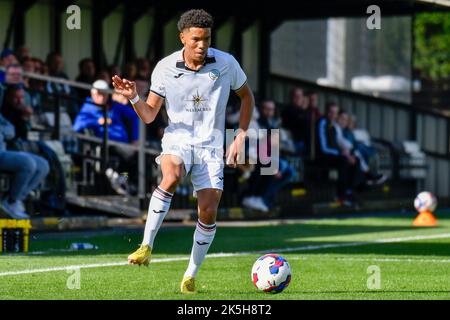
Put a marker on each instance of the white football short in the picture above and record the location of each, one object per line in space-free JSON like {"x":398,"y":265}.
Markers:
{"x":204,"y":164}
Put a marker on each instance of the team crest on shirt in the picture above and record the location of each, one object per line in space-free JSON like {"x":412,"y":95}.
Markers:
{"x":214,"y":74}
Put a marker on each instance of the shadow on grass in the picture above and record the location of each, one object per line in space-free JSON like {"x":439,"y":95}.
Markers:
{"x":178,"y":241}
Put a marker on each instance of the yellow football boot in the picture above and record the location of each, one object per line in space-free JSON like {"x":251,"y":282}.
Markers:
{"x":141,"y":255}
{"x":188,"y":285}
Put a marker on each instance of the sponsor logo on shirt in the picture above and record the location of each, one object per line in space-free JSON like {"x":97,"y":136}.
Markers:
{"x":199,"y":103}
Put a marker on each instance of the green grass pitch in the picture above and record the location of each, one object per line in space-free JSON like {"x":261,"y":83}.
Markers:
{"x":330,"y":259}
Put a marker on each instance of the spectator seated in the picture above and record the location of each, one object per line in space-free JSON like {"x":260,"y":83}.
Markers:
{"x":123,"y":126}
{"x":300,"y":118}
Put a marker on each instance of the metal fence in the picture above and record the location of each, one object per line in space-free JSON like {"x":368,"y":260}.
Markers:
{"x":388,"y":120}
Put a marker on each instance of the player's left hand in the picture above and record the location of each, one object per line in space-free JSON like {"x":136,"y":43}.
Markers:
{"x":235,"y":153}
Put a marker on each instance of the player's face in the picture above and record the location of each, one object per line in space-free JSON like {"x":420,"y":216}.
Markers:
{"x":196,"y":42}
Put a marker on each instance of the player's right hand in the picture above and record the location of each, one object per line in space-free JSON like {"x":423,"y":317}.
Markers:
{"x":124,"y":87}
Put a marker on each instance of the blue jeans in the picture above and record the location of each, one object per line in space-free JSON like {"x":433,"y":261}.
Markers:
{"x":29,"y":171}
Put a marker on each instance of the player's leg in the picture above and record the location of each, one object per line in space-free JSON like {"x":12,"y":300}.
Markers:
{"x":208,"y":203}
{"x":173,"y":171}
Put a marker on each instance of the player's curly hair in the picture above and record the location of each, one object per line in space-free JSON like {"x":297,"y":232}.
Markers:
{"x":197,"y":18}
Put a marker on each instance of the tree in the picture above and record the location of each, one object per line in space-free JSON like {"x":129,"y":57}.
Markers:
{"x":432,"y":45}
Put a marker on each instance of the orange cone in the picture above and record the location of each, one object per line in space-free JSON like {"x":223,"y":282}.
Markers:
{"x":425,"y":219}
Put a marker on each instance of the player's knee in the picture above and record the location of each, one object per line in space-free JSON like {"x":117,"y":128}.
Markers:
{"x":208,"y":214}
{"x":172,"y":180}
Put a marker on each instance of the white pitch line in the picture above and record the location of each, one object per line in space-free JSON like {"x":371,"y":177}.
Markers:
{"x":395,"y":260}
{"x":372,"y":259}
{"x":335,"y":245}
{"x":37,"y":253}
{"x":85,"y":266}
{"x":222,"y":255}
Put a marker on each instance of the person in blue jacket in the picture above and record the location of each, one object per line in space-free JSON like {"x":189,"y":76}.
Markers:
{"x":123,"y":126}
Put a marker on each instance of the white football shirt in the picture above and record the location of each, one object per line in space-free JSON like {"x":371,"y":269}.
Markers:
{"x":196,"y":100}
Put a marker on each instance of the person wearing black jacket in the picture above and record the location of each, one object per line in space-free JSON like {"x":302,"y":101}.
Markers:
{"x":299,"y":118}
{"x":330,"y":155}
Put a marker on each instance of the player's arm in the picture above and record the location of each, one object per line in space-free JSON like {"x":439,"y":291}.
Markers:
{"x":246,"y":111}
{"x":247,"y":104}
{"x":146,"y":110}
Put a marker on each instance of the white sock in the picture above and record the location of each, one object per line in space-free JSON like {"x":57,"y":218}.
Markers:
{"x":157,"y":210}
{"x":203,"y":237}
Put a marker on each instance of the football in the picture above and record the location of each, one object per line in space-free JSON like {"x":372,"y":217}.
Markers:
{"x":425,"y":201}
{"x":271,"y":273}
